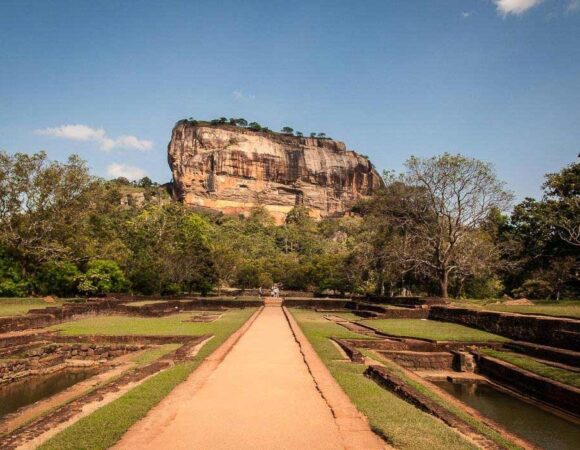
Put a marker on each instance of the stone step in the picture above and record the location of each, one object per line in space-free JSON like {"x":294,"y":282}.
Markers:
{"x":273,"y":301}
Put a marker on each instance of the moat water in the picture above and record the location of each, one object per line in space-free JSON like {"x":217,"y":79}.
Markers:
{"x":34,"y":389}
{"x":529,"y":421}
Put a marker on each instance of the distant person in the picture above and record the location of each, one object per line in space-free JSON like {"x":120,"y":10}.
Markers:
{"x":260,"y":291}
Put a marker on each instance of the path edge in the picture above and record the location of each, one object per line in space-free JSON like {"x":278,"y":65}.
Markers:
{"x":198,"y":377}
{"x":352,"y":424}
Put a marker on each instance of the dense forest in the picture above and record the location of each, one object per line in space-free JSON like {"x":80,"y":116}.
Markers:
{"x":446,"y":226}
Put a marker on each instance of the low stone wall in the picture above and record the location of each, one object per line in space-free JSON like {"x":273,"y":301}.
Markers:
{"x":555,"y":394}
{"x":420,"y":360}
{"x":552,"y":331}
{"x":351,"y":351}
{"x":399,"y":387}
{"x":400,"y":313}
{"x":319,"y":303}
{"x":405,"y":301}
{"x":416,"y":345}
{"x":43,"y":358}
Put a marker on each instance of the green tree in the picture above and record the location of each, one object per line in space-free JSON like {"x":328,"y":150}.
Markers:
{"x":103,"y":276}
{"x":288,"y":130}
{"x":60,"y":278}
{"x":461,"y":192}
{"x":43,"y":205}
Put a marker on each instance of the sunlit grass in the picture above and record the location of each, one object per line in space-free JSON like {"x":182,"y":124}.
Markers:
{"x":402,"y":425}
{"x":431,"y":329}
{"x":537,"y":367}
{"x":101,"y":429}
{"x":11,"y":306}
{"x":565,"y":308}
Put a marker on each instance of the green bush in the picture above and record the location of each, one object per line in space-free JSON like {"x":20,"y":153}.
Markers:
{"x":61,"y":279}
{"x":483,"y":288}
{"x":534,"y":288}
{"x":103,"y":276}
{"x":12,"y":281}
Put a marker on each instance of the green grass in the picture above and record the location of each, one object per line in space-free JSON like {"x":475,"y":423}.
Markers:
{"x":344,"y":315}
{"x":149,"y":302}
{"x":431,"y":329}
{"x":123,"y":325}
{"x":104,"y":427}
{"x":537,"y":367}
{"x":565,"y":308}
{"x":474,"y":422}
{"x":402,"y":425}
{"x":153,"y":354}
{"x":18,"y":306}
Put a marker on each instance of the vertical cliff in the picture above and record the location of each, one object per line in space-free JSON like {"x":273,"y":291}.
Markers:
{"x":233,"y":169}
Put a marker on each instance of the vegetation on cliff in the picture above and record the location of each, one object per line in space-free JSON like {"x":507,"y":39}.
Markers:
{"x":440,"y":225}
{"x":254,"y":126}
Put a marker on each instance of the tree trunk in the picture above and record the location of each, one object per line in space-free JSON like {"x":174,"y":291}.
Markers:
{"x":444,"y":283}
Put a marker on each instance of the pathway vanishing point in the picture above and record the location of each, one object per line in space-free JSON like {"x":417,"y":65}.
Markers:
{"x":256,"y":392}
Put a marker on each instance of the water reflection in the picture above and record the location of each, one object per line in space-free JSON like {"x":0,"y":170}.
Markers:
{"x":538,"y":426}
{"x":33,"y":389}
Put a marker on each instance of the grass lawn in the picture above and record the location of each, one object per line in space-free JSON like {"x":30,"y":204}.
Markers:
{"x":150,"y":302}
{"x":537,"y":367}
{"x":400,"y":423}
{"x":104,"y":427}
{"x":18,"y":306}
{"x":344,"y":315}
{"x":565,"y":308}
{"x":153,"y":354}
{"x":474,"y":422}
{"x":431,"y":329}
{"x":123,"y":325}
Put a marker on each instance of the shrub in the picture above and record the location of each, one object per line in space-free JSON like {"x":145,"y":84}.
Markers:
{"x":12,"y":282}
{"x":534,"y":288}
{"x":61,"y":279}
{"x":103,"y":276}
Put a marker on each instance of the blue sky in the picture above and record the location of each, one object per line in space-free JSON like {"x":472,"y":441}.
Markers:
{"x":495,"y":79}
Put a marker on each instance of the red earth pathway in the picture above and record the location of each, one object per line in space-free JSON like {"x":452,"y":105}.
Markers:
{"x":253,"y":393}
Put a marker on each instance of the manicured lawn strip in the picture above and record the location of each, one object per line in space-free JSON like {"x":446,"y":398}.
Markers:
{"x":153,"y":354}
{"x":431,"y":329}
{"x":564,"y":308}
{"x":474,"y":422}
{"x":571,"y":309}
{"x":19,"y":306}
{"x":345,"y":315}
{"x":104,"y":427}
{"x":147,"y":302}
{"x":400,"y":423}
{"x":123,"y":325}
{"x":537,"y":367}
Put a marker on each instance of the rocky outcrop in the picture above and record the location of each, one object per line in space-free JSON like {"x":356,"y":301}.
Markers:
{"x":233,"y":169}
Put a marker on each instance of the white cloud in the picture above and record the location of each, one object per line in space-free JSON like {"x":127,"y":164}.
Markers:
{"x":121,"y":170}
{"x":98,"y":135}
{"x":517,"y":7}
{"x":466,"y":14}
{"x":239,"y":96}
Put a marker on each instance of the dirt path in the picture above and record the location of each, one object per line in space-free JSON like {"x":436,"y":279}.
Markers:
{"x":261,"y":396}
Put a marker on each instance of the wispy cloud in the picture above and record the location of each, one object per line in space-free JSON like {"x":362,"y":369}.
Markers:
{"x":573,"y":6}
{"x":239,"y":96}
{"x":466,"y":14}
{"x":97,"y":135}
{"x":516,"y":7}
{"x":121,"y":170}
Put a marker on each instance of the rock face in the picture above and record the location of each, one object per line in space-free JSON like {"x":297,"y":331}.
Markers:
{"x":232,"y":170}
